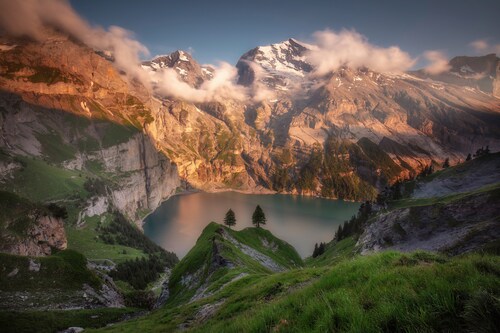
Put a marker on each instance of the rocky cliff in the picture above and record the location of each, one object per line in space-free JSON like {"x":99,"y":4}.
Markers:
{"x":455,"y":211}
{"x":66,"y":105}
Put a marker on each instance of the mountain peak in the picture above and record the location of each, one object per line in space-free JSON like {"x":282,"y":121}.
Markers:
{"x":283,"y":63}
{"x":188,"y":69}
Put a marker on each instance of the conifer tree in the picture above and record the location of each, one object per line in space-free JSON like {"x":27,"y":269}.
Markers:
{"x":446,"y":163}
{"x":230,"y":218}
{"x":258,"y":217}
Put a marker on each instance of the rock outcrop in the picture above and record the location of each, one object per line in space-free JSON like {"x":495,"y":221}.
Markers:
{"x":45,"y":234}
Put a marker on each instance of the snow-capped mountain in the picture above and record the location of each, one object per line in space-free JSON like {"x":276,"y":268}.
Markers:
{"x":280,"y":66}
{"x":186,"y":67}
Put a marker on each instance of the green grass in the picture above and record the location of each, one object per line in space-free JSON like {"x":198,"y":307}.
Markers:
{"x":386,"y":292}
{"x":54,"y":321}
{"x":54,"y":149}
{"x":64,"y":270}
{"x":200,"y":256}
{"x":40,"y":181}
{"x":85,"y":240}
{"x":115,"y":134}
{"x":493,"y":189}
{"x":335,"y":252}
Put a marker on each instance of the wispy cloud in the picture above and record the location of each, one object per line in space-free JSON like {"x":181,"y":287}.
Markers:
{"x":350,"y":48}
{"x":482,"y":46}
{"x":438,"y":62}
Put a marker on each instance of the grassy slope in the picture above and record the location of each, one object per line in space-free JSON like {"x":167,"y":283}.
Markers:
{"x":84,"y":240}
{"x":55,"y":321}
{"x":41,"y":181}
{"x":335,"y":252}
{"x":64,"y":270}
{"x":466,"y":173}
{"x":342,"y":292}
{"x":417,"y":292}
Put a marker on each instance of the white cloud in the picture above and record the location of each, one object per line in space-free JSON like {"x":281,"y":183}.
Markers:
{"x":221,"y":87}
{"x":438,"y":62}
{"x":349,"y":48}
{"x":482,"y":46}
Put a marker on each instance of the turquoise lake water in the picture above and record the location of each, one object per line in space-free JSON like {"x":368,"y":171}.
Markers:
{"x":301,"y":221}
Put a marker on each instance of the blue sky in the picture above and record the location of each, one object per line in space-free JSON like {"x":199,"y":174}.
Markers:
{"x":224,"y":30}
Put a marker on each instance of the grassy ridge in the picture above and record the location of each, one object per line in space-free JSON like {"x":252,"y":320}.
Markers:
{"x":198,"y":262}
{"x":391,"y":292}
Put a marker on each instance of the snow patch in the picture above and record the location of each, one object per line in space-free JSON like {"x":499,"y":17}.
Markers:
{"x":181,"y":71}
{"x":4,"y":47}
{"x":182,"y":56}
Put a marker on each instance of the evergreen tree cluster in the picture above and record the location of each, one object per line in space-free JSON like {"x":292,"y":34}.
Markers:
{"x":426,"y":171}
{"x":390,"y":193}
{"x":318,"y":250}
{"x":355,"y":226}
{"x":331,"y":167}
{"x":446,"y":163}
{"x":139,"y":272}
{"x":482,"y":152}
{"x":95,"y":187}
{"x":120,"y":231}
{"x":57,"y":211}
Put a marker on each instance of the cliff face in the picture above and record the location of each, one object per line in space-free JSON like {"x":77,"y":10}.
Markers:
{"x":149,"y":177}
{"x":44,"y":235}
{"x":67,"y":106}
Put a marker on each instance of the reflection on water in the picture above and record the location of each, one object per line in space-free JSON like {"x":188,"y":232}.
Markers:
{"x":301,"y":221}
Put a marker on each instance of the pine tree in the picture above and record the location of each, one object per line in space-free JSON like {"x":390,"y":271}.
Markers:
{"x":469,"y":157}
{"x":230,"y":218}
{"x":321,"y":249}
{"x":315,"y":252}
{"x":258,"y":217}
{"x":340,"y":233}
{"x":446,"y":163}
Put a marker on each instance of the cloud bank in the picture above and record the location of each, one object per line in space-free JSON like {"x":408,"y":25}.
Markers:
{"x":438,"y":62}
{"x":349,"y":48}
